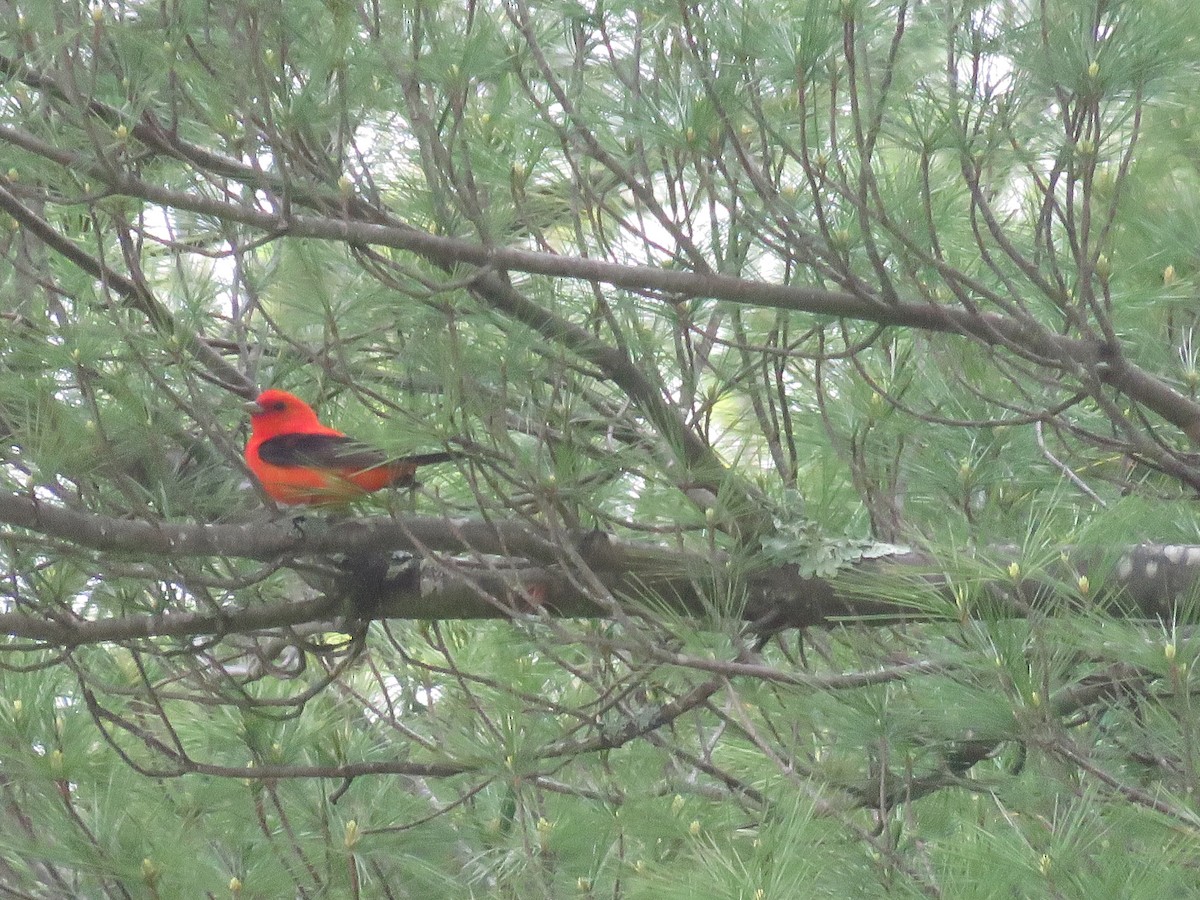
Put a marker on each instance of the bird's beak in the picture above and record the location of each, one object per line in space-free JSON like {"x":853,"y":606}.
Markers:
{"x":252,"y":408}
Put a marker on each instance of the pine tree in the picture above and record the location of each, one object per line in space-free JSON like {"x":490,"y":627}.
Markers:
{"x":824,"y":381}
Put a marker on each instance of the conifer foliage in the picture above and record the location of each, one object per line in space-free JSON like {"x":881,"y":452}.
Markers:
{"x":818,"y":380}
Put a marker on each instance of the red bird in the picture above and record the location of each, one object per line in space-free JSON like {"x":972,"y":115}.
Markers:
{"x":298,"y":460}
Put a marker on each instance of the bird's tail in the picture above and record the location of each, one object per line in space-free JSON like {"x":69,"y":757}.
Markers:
{"x":400,"y":472}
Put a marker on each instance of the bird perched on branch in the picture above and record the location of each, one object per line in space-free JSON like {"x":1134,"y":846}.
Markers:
{"x":298,"y":460}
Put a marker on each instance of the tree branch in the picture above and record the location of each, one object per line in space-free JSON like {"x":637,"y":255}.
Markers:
{"x":522,"y":573}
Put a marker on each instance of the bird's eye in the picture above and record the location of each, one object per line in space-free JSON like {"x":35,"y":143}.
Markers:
{"x":278,"y":406}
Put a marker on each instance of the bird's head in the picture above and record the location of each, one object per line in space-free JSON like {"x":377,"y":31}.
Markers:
{"x":274,"y":412}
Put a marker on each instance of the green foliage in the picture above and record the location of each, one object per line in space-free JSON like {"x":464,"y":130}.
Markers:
{"x":986,"y":211}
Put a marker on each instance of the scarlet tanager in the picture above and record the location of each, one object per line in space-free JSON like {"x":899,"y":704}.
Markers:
{"x":298,"y":460}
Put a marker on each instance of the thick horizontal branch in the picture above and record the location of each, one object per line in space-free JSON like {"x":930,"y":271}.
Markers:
{"x":495,"y":570}
{"x":268,"y":539}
